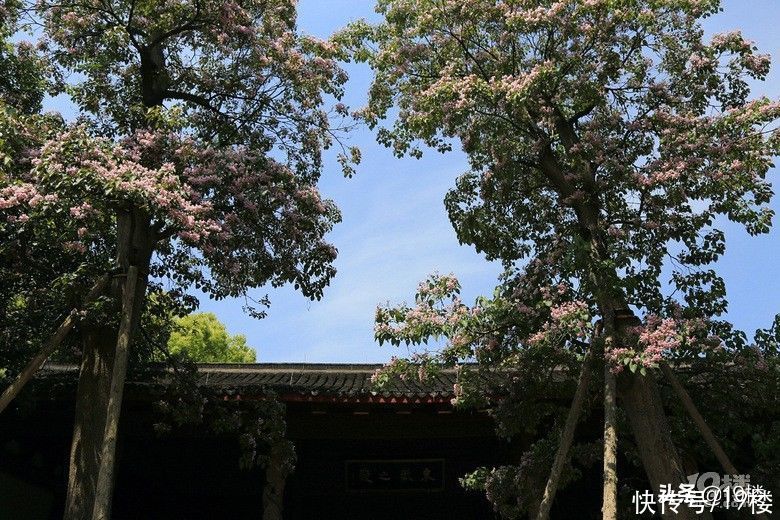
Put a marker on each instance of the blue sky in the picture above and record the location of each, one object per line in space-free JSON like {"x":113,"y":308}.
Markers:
{"x":393,"y":234}
{"x":395,"y":230}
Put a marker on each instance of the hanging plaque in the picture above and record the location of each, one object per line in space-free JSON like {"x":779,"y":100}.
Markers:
{"x":395,"y":475}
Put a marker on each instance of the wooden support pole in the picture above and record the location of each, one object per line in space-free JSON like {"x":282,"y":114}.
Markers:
{"x":567,"y":437}
{"x":51,"y":345}
{"x":698,"y":420}
{"x":104,"y":487}
{"x":613,"y":324}
{"x":609,"y":501}
{"x":701,"y":424}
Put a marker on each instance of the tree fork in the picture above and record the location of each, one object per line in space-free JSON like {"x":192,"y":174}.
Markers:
{"x":51,"y":344}
{"x":567,"y":437}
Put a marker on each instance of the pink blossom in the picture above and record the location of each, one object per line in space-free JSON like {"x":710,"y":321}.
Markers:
{"x":73,"y":246}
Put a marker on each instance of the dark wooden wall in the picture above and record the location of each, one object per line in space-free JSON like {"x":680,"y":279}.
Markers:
{"x":194,"y":476}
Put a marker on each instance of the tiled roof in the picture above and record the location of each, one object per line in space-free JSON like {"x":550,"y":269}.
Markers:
{"x":340,"y":380}
{"x":310,"y":381}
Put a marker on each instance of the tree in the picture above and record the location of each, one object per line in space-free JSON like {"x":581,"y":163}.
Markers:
{"x":205,"y":339}
{"x":193,"y":162}
{"x":38,"y":280}
{"x":532,"y":383}
{"x":607,"y":141}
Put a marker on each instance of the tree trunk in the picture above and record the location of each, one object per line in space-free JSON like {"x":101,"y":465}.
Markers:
{"x":50,"y":346}
{"x":567,"y":437}
{"x":273,"y":490}
{"x":651,"y":431}
{"x":640,"y":396}
{"x":609,"y":502}
{"x":91,"y":402}
{"x":135,"y":243}
{"x":102,"y":508}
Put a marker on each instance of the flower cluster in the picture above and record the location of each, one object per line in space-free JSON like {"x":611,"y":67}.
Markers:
{"x":220,"y":201}
{"x":568,"y":320}
{"x":658,"y":339}
{"x":438,"y":312}
{"x":90,"y":178}
{"x":420,"y":366}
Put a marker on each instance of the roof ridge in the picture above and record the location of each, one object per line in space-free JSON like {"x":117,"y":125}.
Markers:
{"x":263,"y":367}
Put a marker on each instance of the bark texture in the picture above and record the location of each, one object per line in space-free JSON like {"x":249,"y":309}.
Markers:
{"x":609,"y":501}
{"x":273,"y":490}
{"x":91,"y":402}
{"x":104,"y":486}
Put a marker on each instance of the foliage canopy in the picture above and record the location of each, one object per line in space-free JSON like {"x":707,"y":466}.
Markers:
{"x":204,"y":339}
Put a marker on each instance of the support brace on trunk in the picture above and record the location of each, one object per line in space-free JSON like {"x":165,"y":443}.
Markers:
{"x":567,"y":437}
{"x":609,"y":495}
{"x":103,"y":490}
{"x":698,"y":420}
{"x":51,"y":344}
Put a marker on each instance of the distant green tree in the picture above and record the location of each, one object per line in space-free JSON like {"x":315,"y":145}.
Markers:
{"x":205,"y":339}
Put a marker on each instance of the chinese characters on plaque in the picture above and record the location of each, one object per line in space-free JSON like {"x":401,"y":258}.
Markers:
{"x":395,"y":475}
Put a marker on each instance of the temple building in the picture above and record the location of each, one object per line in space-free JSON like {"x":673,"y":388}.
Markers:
{"x":395,"y":454}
